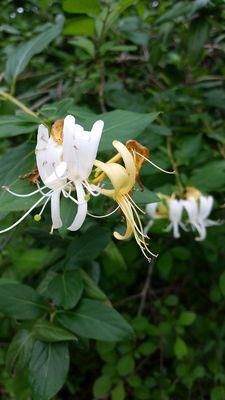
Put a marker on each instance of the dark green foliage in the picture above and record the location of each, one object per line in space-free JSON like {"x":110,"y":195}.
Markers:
{"x":83,"y":316}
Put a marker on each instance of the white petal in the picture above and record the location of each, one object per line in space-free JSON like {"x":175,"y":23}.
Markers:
{"x":81,"y":209}
{"x":175,"y":210}
{"x":58,"y":173}
{"x":55,"y":209}
{"x":42,"y":137}
{"x":205,"y":206}
{"x":191,"y":207}
{"x":151,"y":209}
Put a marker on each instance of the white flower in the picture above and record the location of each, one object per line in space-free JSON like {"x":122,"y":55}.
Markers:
{"x":198,"y":212}
{"x":79,"y":152}
{"x":51,"y":169}
{"x":175,"y":216}
{"x":151,"y":210}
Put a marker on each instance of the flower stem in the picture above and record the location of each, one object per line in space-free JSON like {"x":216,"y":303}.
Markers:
{"x":18,"y":103}
{"x":174,"y":164}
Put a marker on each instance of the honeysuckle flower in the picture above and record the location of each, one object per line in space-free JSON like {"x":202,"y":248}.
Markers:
{"x":51,"y":170}
{"x":79,"y":152}
{"x":151,"y":211}
{"x":123,"y":180}
{"x":175,"y":216}
{"x":198,"y":211}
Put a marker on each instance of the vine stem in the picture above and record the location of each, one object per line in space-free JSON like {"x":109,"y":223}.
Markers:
{"x":146,"y":287}
{"x":18,"y":103}
{"x":174,"y":164}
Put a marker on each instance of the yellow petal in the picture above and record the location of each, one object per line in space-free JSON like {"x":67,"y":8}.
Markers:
{"x":117,"y":175}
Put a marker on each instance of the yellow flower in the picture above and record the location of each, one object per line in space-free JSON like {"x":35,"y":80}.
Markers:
{"x":123,"y":180}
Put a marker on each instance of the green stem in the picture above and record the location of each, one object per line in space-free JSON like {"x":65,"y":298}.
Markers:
{"x":174,"y":164}
{"x":18,"y":103}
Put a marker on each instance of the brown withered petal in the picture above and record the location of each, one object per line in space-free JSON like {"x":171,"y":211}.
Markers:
{"x":57,"y":131}
{"x":32,"y":177}
{"x":134,"y":146}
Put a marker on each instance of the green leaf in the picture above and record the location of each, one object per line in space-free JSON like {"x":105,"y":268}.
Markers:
{"x":118,"y":393}
{"x":66,"y":289}
{"x":25,"y":51}
{"x":84,"y":44}
{"x":126,"y":365}
{"x":91,"y":289}
{"x":217,"y":393}
{"x":88,"y":246}
{"x":180,"y":348}
{"x":48,"y":332}
{"x":198,"y":35}
{"x":20,"y":301}
{"x":186,"y":318}
{"x":112,"y":256}
{"x":79,"y":26}
{"x":102,"y":386}
{"x":222,"y":283}
{"x":145,"y":197}
{"x":90,"y":7}
{"x":122,"y":125}
{"x":19,"y":351}
{"x":209,"y":177}
{"x":48,"y":369}
{"x":11,"y":125}
{"x":94,"y":320}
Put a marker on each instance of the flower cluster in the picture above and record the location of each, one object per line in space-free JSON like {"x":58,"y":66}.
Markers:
{"x":65,"y":160}
{"x":189,"y":209}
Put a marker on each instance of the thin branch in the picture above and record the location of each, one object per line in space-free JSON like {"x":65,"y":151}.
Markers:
{"x":147,"y":286}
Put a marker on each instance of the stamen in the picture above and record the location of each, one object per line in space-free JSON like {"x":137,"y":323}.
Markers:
{"x":68,"y":196}
{"x":89,"y":188}
{"x":24,"y":195}
{"x":23,"y":217}
{"x":103,"y":216}
{"x":135,"y":205}
{"x":155,"y":165}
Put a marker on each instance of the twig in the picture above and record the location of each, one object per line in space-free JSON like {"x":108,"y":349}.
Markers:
{"x":174,"y":163}
{"x":146,"y":287}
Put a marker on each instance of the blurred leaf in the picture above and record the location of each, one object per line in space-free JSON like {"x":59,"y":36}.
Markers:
{"x":79,"y":26}
{"x":198,"y":35}
{"x":66,"y":289}
{"x":85,"y":44}
{"x":112,"y":256}
{"x":90,"y":7}
{"x":186,"y":318}
{"x":25,"y":51}
{"x":16,"y":125}
{"x":91,"y":289}
{"x":180,"y":348}
{"x":209,"y":177}
{"x":20,"y":301}
{"x":48,"y":369}
{"x":145,"y":197}
{"x":118,"y":393}
{"x":94,"y":320}
{"x":102,"y":386}
{"x":126,"y":365}
{"x":222,"y":283}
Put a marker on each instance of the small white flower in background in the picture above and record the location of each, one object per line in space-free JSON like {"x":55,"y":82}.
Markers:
{"x":175,"y":216}
{"x":151,"y":211}
{"x":198,"y":211}
{"x":79,"y":152}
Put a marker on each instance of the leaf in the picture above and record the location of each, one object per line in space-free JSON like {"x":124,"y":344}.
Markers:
{"x":222,"y":283}
{"x":91,"y":289}
{"x":119,"y":8}
{"x":66,"y":289}
{"x":94,"y":320}
{"x":90,"y":7}
{"x":122,"y":125}
{"x":102,"y":386}
{"x":186,"y":318}
{"x":118,"y":393}
{"x":25,"y":51}
{"x":79,"y":26}
{"x":88,"y":246}
{"x":85,"y":44}
{"x":209,"y":177}
{"x":48,"y":332}
{"x":48,"y":369}
{"x":20,"y":301}
{"x":145,"y":197}
{"x":11,"y":125}
{"x":19,"y":351}
{"x":126,"y":365}
{"x":180,"y":348}
{"x":198,"y":35}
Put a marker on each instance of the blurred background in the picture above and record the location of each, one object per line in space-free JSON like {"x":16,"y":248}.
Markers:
{"x":93,"y":57}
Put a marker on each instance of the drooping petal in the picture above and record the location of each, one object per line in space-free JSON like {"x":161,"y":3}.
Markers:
{"x":55,"y":209}
{"x":175,"y":210}
{"x":205,"y":206}
{"x":191,"y":207}
{"x":81,"y":209}
{"x":128,"y":162}
{"x":117,"y":175}
{"x":151,"y":210}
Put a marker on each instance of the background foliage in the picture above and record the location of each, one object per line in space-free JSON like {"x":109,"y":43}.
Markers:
{"x":128,"y":61}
